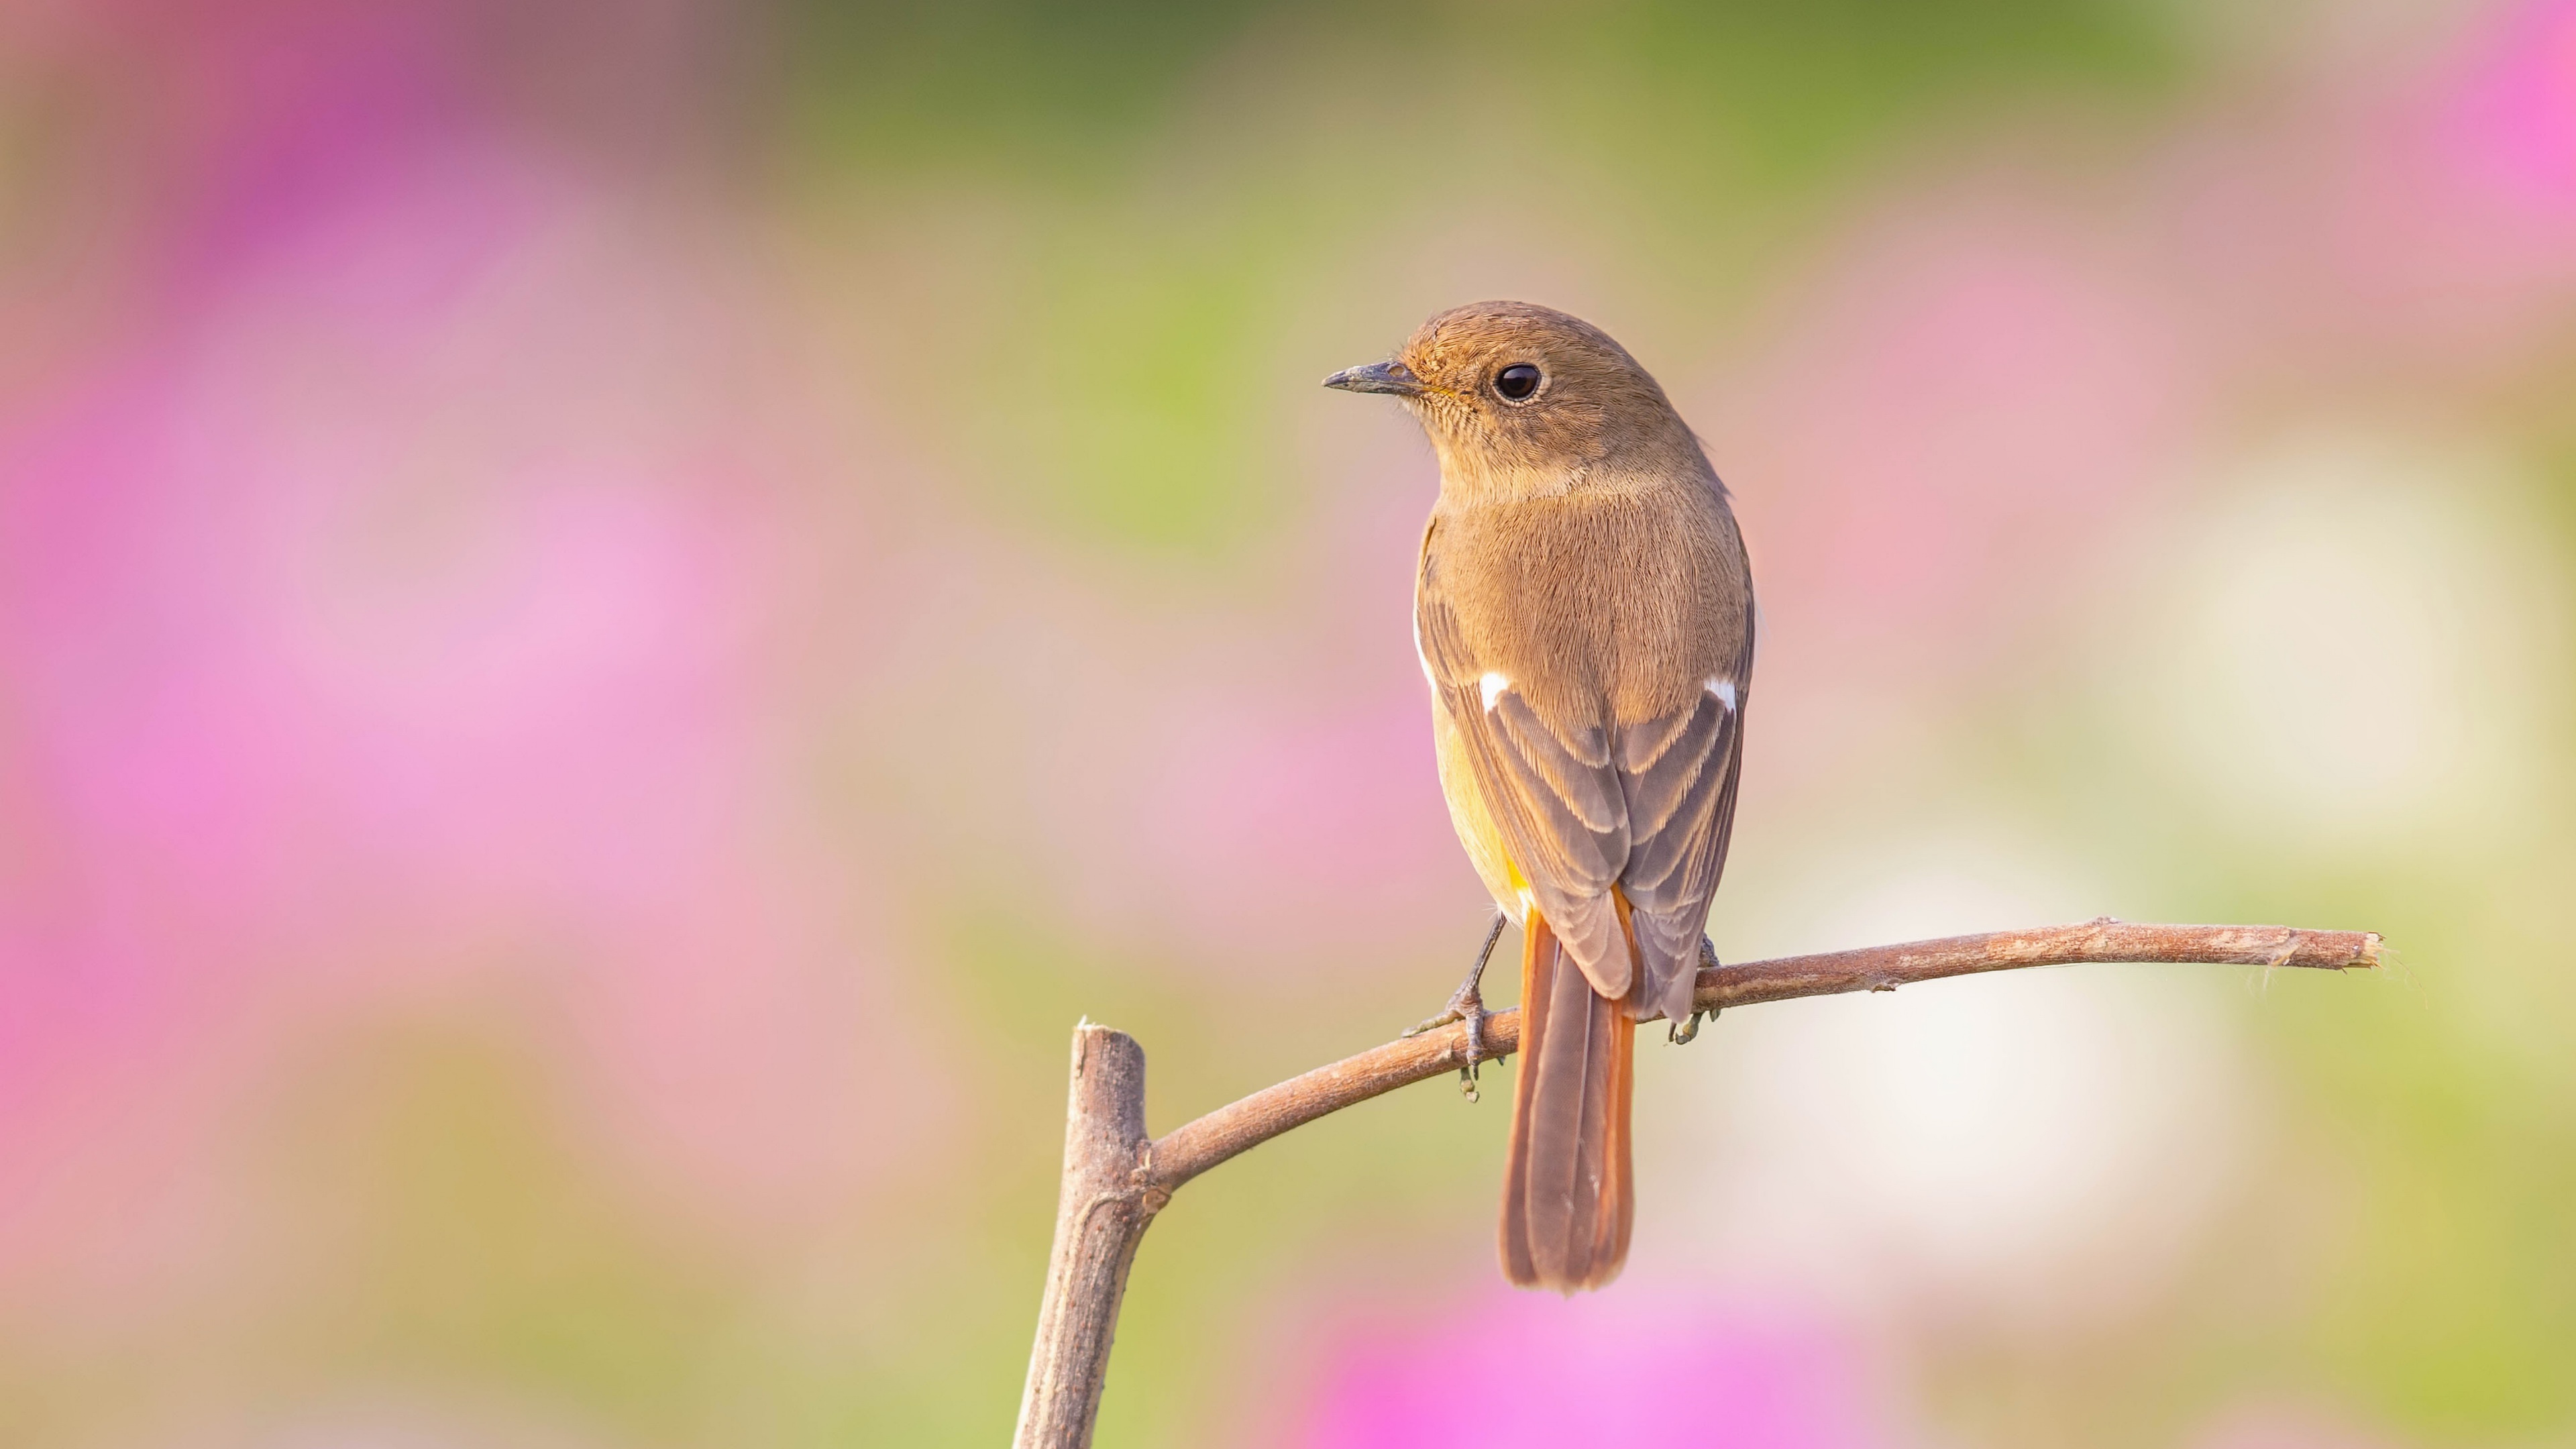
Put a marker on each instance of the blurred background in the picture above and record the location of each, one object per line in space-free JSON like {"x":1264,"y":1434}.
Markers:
{"x":613,"y":617}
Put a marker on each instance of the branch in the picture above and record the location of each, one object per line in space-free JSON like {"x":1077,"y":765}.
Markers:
{"x":1115,"y":1179}
{"x":1102,"y":1209}
{"x":1195,"y":1147}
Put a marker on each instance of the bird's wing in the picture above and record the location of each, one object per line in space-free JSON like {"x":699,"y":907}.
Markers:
{"x":1645,"y":805}
{"x":1554,"y":794}
{"x":1680,"y":781}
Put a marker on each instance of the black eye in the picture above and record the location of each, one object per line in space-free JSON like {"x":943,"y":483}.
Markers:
{"x":1517,"y":381}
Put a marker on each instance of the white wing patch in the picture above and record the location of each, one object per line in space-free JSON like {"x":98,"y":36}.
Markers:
{"x":1493,"y":685}
{"x":1724,"y":689}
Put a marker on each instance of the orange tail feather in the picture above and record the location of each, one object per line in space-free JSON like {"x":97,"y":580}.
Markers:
{"x":1568,"y":1202}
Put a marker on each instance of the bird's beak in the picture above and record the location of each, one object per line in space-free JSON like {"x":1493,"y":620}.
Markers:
{"x":1391,"y":377}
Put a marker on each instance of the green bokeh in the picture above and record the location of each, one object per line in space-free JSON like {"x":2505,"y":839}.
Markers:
{"x":1155,"y":190}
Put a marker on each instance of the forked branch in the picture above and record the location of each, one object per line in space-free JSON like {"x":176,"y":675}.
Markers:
{"x":1116,"y":1178}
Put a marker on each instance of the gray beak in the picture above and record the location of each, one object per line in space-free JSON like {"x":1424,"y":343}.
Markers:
{"x":1390,"y":377}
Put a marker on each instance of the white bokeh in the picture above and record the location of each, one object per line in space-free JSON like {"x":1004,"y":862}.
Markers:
{"x":2356,"y":636}
{"x":2019,"y":1151}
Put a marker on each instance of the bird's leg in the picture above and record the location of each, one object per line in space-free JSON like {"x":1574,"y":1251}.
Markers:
{"x":1681,"y":1033}
{"x":1467,"y":1004}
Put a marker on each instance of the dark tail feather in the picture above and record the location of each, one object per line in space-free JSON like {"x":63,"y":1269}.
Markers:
{"x":1567,"y":1204}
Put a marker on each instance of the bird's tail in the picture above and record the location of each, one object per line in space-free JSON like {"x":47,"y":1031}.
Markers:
{"x":1567,"y":1200}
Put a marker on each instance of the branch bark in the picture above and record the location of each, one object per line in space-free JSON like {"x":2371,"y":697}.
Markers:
{"x":1102,"y":1209}
{"x":1116,"y":1178}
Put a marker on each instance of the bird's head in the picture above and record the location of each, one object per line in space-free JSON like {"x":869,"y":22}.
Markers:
{"x":1521,"y":399}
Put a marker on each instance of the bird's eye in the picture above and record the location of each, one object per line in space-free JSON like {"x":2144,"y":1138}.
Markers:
{"x":1517,"y":381}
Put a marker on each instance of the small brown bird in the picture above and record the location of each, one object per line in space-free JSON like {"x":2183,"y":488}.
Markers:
{"x":1584,"y":611}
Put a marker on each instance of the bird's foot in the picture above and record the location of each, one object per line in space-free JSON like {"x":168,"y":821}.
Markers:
{"x":1680,"y":1033}
{"x":1465,"y":1005}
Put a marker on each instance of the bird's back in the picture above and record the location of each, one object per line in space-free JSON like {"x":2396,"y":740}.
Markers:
{"x":1607,"y":605}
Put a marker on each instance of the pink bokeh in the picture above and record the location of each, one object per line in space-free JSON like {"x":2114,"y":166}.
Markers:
{"x":1965,"y":399}
{"x":399,"y":610}
{"x":1525,"y":1371}
{"x":2511,"y":112}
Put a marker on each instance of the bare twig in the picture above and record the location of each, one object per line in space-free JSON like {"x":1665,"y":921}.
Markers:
{"x":1101,"y":1213}
{"x":1115,"y":1179}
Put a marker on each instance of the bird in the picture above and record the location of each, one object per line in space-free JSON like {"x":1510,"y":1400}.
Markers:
{"x":1583,"y":610}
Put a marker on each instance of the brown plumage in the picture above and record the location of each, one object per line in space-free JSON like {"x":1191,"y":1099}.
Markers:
{"x":1584,"y":612}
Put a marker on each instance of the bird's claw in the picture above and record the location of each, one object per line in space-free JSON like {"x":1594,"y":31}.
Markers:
{"x":1680,"y":1033}
{"x":1465,"y":1005}
{"x":1468,"y":1007}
